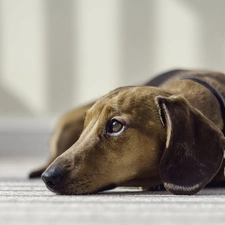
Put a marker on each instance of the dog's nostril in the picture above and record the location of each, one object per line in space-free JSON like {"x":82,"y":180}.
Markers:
{"x":50,"y":184}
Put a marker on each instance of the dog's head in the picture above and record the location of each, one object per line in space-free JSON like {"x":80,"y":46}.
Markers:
{"x":139,"y":136}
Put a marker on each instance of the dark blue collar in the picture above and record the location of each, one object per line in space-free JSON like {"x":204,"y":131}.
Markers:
{"x":215,"y":92}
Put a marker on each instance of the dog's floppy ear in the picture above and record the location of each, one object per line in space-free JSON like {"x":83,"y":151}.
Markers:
{"x":194,"y":147}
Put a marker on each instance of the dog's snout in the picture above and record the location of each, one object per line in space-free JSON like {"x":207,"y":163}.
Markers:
{"x":53,"y":178}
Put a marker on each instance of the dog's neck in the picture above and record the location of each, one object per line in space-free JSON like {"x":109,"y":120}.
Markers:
{"x":215,"y":92}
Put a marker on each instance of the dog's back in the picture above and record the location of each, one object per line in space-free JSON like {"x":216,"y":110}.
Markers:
{"x":216,"y":78}
{"x":205,"y":91}
{"x":160,"y":79}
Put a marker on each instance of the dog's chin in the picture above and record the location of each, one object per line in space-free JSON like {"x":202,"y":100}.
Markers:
{"x":65,"y":191}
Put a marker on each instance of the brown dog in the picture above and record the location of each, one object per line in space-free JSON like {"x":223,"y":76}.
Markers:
{"x":143,"y":136}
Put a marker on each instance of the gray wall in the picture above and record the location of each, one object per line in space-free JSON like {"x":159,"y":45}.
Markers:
{"x":57,"y":54}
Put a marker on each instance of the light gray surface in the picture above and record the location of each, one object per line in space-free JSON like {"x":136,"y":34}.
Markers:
{"x":25,"y":137}
{"x":24,"y":201}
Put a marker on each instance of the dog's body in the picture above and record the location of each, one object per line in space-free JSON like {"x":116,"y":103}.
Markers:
{"x":143,"y":136}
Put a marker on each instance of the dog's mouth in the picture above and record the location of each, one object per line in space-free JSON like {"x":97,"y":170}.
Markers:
{"x":104,"y":188}
{"x":71,"y":192}
{"x":57,"y":181}
{"x":76,"y":189}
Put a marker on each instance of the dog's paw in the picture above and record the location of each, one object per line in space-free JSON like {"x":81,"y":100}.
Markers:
{"x":37,"y":173}
{"x":157,"y":188}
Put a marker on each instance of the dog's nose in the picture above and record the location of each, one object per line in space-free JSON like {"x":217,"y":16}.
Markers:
{"x":53,"y":178}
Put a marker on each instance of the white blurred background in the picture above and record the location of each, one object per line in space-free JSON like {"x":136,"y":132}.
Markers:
{"x":59,"y":54}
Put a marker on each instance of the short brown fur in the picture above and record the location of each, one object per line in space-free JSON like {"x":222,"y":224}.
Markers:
{"x":180,"y":120}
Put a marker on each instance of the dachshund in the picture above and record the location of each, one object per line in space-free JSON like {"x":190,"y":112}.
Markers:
{"x":169,"y":131}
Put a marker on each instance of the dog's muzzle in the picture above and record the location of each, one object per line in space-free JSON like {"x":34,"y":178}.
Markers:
{"x":53,"y":178}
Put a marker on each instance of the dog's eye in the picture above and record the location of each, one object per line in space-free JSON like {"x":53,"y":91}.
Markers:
{"x":114,"y":127}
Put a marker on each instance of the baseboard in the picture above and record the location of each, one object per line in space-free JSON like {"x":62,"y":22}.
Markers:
{"x":25,"y":137}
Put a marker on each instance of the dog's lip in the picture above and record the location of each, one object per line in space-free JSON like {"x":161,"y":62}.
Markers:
{"x":104,"y":188}
{"x":63,"y":191}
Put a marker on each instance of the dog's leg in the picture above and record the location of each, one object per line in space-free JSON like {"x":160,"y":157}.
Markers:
{"x":66,"y":133}
{"x":38,"y":172}
{"x":157,"y":188}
